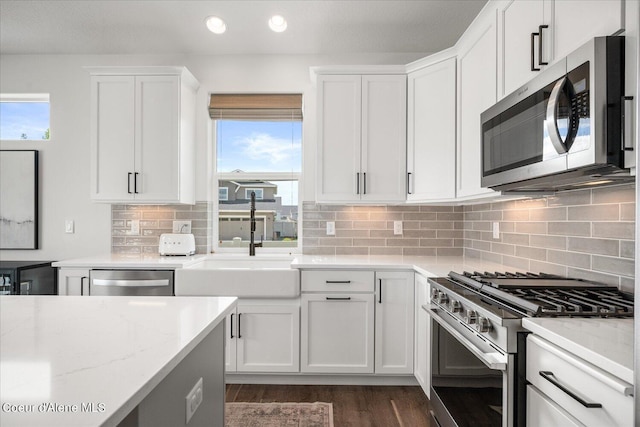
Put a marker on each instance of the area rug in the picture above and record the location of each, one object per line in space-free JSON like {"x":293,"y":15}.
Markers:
{"x":240,"y":414}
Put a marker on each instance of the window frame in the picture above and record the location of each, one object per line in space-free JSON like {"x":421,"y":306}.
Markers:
{"x":226,"y":196}
{"x":247,"y":193}
{"x":29,"y":97}
{"x":253,"y":176}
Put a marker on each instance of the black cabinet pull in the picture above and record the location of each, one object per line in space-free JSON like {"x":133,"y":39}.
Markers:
{"x":533,"y":59}
{"x":364,"y":175}
{"x":135,"y":183}
{"x":338,"y":281}
{"x":380,"y":294}
{"x":129,"y":182}
{"x":408,"y":182}
{"x":231,"y":326}
{"x":82,"y":285}
{"x":239,"y":331}
{"x":548,"y":375}
{"x":338,"y":298}
{"x":357,"y":182}
{"x":540,"y":28}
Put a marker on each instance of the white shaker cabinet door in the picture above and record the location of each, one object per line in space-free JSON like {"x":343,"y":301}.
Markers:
{"x":157,"y":138}
{"x":384,"y":138}
{"x":519,"y":59}
{"x":477,"y":92}
{"x":73,"y":281}
{"x":113,"y":134}
{"x":268,"y":337}
{"x":337,"y":333}
{"x":339,"y":134}
{"x":431,"y":132}
{"x":394,"y":322}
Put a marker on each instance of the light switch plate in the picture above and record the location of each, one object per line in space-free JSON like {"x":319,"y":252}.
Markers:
{"x":496,"y":230}
{"x":397,"y":227}
{"x":194,"y":399}
{"x":135,"y":227}
{"x":331,"y":228}
{"x":69,"y":226}
{"x":182,"y":227}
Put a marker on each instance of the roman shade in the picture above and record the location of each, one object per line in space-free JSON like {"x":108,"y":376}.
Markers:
{"x":235,"y":106}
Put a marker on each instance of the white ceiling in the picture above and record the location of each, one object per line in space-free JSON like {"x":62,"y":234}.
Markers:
{"x":172,"y":27}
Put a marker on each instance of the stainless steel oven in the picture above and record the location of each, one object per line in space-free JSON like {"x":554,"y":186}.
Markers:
{"x":478,"y":362}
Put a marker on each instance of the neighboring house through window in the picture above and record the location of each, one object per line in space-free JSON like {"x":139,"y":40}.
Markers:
{"x":258,"y":141}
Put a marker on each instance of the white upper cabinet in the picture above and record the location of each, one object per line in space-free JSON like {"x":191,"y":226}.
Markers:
{"x":522,"y":38}
{"x":477,"y":59}
{"x":361,"y":138}
{"x":143,"y":135}
{"x":534,"y":33}
{"x":431,"y":132}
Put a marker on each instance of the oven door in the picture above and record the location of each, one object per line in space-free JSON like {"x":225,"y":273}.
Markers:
{"x":472,"y":383}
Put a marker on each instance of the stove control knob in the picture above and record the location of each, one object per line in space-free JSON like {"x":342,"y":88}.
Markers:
{"x":484,"y":325}
{"x":470,"y":317}
{"x":434,"y":294}
{"x":455,"y":306}
{"x":443,"y":298}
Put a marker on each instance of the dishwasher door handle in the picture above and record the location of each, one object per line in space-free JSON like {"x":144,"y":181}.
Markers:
{"x":130,"y":283}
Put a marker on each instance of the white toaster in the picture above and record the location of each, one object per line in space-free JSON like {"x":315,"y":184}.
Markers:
{"x":177,"y":244}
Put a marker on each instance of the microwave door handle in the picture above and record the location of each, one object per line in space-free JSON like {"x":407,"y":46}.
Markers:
{"x":552,"y":120}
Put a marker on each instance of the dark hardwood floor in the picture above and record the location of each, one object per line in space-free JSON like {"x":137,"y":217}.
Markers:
{"x":353,"y":406}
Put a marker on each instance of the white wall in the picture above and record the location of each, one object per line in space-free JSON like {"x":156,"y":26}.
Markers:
{"x":64,"y":160}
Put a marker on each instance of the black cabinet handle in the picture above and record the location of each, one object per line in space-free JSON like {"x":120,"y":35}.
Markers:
{"x":540,"y":28}
{"x":239,"y":331}
{"x":135,"y":183}
{"x":129,"y":182}
{"x":357,"y":182}
{"x":338,"y":281}
{"x":338,"y":298}
{"x":548,"y":375}
{"x":533,"y":56}
{"x":82,"y":285}
{"x":408,"y":182}
{"x":380,"y":294}
{"x":232,"y":326}
{"x":364,"y":174}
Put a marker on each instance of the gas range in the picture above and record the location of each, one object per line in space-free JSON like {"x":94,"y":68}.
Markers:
{"x":492,"y":305}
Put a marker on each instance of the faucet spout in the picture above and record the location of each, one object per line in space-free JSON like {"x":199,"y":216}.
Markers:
{"x":252,"y":244}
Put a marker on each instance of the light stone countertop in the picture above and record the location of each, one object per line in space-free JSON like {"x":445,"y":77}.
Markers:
{"x":134,"y":261}
{"x":605,"y":343}
{"x":109,"y":351}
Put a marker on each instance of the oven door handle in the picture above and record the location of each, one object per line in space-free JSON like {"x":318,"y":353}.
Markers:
{"x":494,"y":360}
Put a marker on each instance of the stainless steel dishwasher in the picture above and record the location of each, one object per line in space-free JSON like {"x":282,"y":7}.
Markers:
{"x":130,"y":282}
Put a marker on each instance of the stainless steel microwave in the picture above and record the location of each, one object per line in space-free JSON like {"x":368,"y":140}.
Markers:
{"x":564,"y":129}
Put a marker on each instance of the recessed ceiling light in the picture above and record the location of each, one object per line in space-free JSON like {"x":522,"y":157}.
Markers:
{"x":216,"y":25}
{"x":277,"y":23}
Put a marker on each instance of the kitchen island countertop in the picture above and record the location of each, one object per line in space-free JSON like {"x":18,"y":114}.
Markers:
{"x":78,"y":361}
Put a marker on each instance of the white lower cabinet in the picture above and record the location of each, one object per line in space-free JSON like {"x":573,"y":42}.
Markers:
{"x":573,"y":389}
{"x":357,"y":322}
{"x":542,"y":412}
{"x":73,"y":281}
{"x":263,"y":336}
{"x":422,"y":352}
{"x":337,"y":333}
{"x":394,"y":322}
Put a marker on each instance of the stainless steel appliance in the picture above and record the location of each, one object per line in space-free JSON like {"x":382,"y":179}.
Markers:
{"x":28,"y":278}
{"x":131,"y":283}
{"x":563,"y":129}
{"x":478,"y":343}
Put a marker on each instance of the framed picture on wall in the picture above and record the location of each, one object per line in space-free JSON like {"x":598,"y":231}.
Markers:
{"x":18,"y":199}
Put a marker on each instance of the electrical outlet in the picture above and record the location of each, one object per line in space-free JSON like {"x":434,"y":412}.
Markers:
{"x":496,"y":230}
{"x":194,"y":399}
{"x":397,"y":227}
{"x":182,"y":227}
{"x":69,"y":226}
{"x":331,"y":228}
{"x":135,"y":227}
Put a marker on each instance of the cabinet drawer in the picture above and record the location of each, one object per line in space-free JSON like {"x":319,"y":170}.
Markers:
{"x":337,"y":281}
{"x":541,"y":412}
{"x":575,"y":384}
